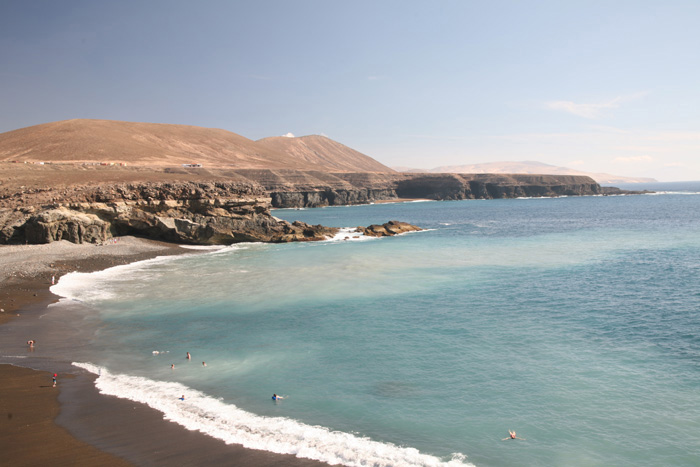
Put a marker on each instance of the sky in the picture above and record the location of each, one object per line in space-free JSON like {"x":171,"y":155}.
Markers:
{"x":597,"y":86}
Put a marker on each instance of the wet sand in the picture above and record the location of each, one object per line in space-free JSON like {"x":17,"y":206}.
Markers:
{"x":28,"y":435}
{"x":73,"y":424}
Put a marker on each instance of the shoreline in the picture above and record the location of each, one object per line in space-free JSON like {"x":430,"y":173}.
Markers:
{"x":68,"y":423}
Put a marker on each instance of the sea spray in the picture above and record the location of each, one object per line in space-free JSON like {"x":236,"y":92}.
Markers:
{"x":200,"y":412}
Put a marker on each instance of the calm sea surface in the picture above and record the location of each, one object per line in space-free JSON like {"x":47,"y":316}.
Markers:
{"x":573,"y":321}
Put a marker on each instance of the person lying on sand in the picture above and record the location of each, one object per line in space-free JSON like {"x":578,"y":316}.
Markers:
{"x":512,"y":436}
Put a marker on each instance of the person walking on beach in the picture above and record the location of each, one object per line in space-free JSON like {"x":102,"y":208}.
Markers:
{"x":512,"y":436}
{"x":55,"y":375}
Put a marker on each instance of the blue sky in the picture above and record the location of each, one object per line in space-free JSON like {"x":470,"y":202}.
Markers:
{"x":609,"y":86}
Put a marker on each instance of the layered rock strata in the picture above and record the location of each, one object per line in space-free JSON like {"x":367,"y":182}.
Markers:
{"x":231,"y":207}
{"x":204,"y":214}
{"x":350,"y":188}
{"x":189,"y":213}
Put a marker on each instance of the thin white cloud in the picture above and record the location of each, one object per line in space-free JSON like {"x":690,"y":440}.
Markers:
{"x":595,"y":110}
{"x":634,"y":159}
{"x":591,"y":111}
{"x":289,"y":135}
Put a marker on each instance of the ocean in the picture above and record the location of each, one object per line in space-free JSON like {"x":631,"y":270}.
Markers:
{"x":574,"y":321}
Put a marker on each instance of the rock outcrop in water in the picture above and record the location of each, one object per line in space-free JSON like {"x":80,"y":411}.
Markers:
{"x":389,"y":229}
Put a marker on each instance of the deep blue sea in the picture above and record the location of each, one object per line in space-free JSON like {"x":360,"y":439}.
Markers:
{"x":573,"y":321}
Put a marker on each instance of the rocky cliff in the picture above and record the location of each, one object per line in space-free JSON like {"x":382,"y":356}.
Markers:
{"x":359,"y":188}
{"x":230,"y":206}
{"x":194,"y":213}
{"x":186,"y":213}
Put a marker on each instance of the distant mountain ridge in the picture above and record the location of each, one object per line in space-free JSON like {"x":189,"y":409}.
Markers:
{"x":156,"y":144}
{"x":526,"y":167}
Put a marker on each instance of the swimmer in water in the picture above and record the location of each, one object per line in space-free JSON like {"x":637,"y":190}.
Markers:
{"x":189,"y":357}
{"x":204,"y":363}
{"x":512,"y":436}
{"x":182,"y":398}
{"x":276,"y":397}
{"x":172,"y":366}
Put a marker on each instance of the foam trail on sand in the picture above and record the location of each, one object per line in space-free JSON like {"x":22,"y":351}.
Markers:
{"x":275,"y":434}
{"x":80,"y":285}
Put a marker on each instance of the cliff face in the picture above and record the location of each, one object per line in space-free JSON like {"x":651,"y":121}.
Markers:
{"x":183,"y":213}
{"x":233,"y":207}
{"x":365,"y":188}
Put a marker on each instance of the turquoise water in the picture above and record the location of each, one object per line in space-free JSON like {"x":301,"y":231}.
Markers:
{"x":574,"y":321}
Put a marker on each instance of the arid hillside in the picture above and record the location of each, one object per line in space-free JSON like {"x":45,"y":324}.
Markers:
{"x":323,"y":152}
{"x":165,"y":145}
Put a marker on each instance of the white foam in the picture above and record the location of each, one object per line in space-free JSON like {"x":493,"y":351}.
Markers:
{"x":657,"y":193}
{"x":224,"y":249}
{"x":82,"y":286}
{"x":346,"y":234}
{"x":199,"y":412}
{"x":203,"y":247}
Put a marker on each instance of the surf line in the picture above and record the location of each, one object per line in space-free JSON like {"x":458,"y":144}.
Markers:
{"x":200,"y":412}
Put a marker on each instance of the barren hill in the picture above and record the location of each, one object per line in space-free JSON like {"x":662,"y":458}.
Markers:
{"x":323,"y":152}
{"x":158,"y":145}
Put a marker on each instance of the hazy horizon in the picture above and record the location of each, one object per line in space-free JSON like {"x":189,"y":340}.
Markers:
{"x":593,"y":86}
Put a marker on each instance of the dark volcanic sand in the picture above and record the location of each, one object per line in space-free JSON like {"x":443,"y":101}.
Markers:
{"x":88,"y":428}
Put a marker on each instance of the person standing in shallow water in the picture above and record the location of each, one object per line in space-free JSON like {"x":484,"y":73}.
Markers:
{"x":55,"y":375}
{"x":189,"y":357}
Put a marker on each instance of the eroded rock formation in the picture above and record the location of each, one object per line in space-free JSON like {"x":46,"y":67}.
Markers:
{"x":195,"y":213}
{"x":389,"y":229}
{"x":209,"y":214}
{"x":233,"y":207}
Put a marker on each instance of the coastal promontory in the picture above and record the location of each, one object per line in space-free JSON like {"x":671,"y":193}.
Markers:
{"x":91,"y":180}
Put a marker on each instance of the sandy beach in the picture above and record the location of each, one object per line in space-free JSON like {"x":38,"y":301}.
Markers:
{"x":73,"y":424}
